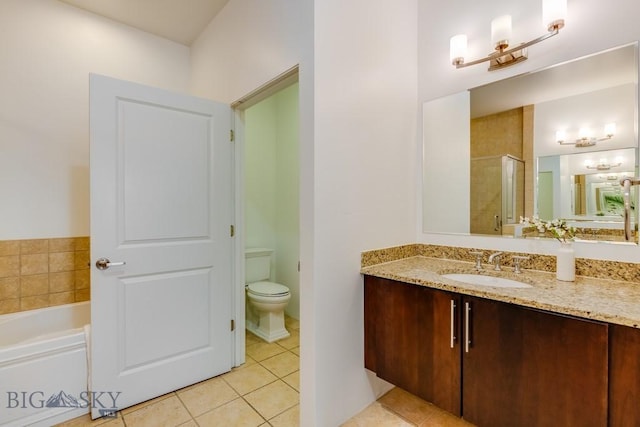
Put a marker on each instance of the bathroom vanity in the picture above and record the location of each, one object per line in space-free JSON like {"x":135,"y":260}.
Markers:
{"x":556,"y":353}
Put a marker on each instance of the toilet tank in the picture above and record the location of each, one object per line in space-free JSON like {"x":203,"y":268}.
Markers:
{"x":257,"y":264}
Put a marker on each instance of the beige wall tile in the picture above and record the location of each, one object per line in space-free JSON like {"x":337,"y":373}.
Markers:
{"x":9,"y":288}
{"x":9,"y":306}
{"x":83,"y":278}
{"x":67,"y":244}
{"x":34,"y":264}
{"x":82,"y":295}
{"x":35,"y":246}
{"x":31,"y":303}
{"x":81,"y":260}
{"x":61,"y":261}
{"x":25,"y":264}
{"x":9,"y":266}
{"x":37,"y":284}
{"x":82,"y":243}
{"x":9,"y":247}
{"x":61,"y":298}
{"x":63,"y":281}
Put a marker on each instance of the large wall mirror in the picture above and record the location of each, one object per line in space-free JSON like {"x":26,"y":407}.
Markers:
{"x":553,"y":143}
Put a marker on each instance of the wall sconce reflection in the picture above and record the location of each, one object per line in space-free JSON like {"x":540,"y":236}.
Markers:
{"x":603,"y":165}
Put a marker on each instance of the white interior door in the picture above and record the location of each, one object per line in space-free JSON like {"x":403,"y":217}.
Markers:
{"x":161,"y":204}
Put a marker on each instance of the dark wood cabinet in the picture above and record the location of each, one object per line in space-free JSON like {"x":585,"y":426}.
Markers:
{"x":533,"y":368}
{"x":412,"y":339}
{"x":624,"y":376}
{"x":521,"y":366}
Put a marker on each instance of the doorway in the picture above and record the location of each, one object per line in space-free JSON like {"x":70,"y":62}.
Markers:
{"x":267,"y":188}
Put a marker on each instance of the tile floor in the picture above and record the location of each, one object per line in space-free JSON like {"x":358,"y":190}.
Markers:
{"x":265,"y":392}
{"x":262,"y":392}
{"x":398,"y":408}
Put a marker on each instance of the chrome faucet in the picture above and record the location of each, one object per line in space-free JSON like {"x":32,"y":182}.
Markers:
{"x":494,"y":258}
{"x":478,"y":256}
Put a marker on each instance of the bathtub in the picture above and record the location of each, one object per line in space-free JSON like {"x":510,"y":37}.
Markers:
{"x":43,"y":360}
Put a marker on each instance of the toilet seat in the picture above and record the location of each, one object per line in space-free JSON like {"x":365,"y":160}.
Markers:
{"x":267,"y":289}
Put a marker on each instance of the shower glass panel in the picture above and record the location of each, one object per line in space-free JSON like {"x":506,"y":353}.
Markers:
{"x":497,"y":193}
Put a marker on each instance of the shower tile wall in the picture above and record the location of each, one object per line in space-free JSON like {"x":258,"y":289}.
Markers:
{"x":507,"y":132}
{"x":39,"y":273}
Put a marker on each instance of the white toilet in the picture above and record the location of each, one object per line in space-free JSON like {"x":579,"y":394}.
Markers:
{"x":267,"y":300}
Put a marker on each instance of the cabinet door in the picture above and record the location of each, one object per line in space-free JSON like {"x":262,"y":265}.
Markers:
{"x":530,"y":368}
{"x":412,"y":339}
{"x":624,"y":376}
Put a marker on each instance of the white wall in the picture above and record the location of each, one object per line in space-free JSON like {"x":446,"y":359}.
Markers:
{"x":287,"y":196}
{"x":48,"y":50}
{"x":437,"y":77}
{"x":358,"y":118}
{"x":365,"y":118}
{"x":272,"y":186}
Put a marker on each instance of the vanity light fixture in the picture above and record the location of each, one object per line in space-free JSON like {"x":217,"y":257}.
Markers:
{"x":585,"y":137}
{"x":553,"y":15}
{"x":602,"y":165}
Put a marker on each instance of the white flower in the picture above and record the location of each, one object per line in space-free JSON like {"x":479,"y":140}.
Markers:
{"x":558,"y":228}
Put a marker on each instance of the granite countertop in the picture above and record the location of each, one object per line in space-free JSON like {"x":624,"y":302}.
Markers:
{"x":611,"y":301}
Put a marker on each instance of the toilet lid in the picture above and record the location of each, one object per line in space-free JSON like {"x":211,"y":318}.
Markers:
{"x":268,"y":289}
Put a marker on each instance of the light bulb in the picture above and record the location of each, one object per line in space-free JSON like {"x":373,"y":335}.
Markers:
{"x":610,"y":129}
{"x":554,"y":13}
{"x":458,"y":49}
{"x":584,"y":133}
{"x":501,"y":31}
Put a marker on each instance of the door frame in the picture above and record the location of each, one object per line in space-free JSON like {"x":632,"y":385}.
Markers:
{"x":283,"y":80}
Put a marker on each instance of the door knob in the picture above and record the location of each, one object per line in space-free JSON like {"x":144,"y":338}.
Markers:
{"x":104,"y":263}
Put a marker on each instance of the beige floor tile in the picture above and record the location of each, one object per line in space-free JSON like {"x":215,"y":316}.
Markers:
{"x":293,"y":380}
{"x":206,"y":395}
{"x":406,"y":405}
{"x":264,"y":350}
{"x":191,"y":423}
{"x":250,"y":338}
{"x":86,"y":421}
{"x":291,"y":323}
{"x":147,"y":403}
{"x":295,"y":350}
{"x":273,"y":399}
{"x":236,"y":413}
{"x":440,"y":418}
{"x":282,"y":364}
{"x":169,"y":412}
{"x":289,"y":418}
{"x":418,"y":411}
{"x":376,"y":415}
{"x":248,"y":379}
{"x":248,"y":361}
{"x":292,"y":341}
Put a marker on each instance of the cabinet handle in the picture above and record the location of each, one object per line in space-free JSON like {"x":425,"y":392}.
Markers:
{"x":453,"y":323}
{"x":467,"y":340}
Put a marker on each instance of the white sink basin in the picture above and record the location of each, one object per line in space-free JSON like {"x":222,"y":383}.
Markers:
{"x":480,"y":280}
